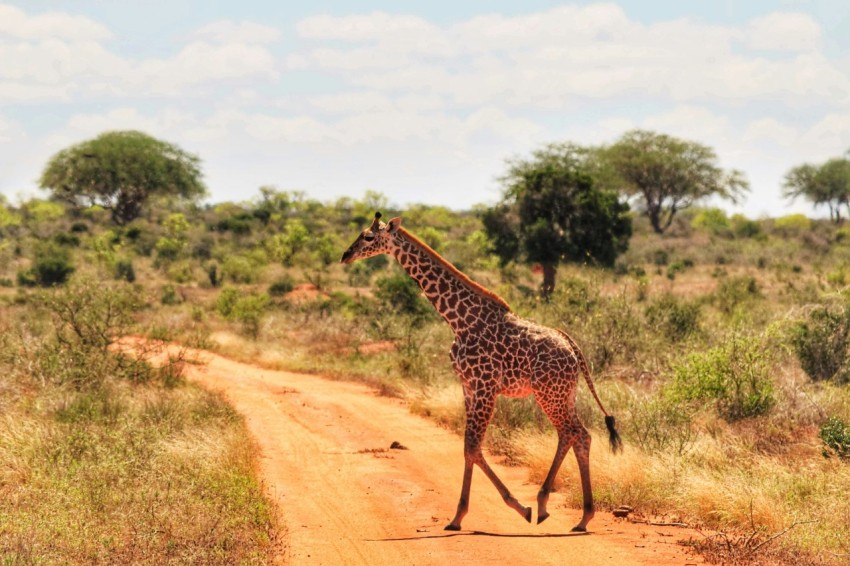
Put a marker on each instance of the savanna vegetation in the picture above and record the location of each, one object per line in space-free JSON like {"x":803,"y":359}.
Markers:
{"x":722,"y":345}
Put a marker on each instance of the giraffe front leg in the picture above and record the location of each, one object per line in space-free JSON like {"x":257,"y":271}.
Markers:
{"x":478,"y":413}
{"x":546,"y":488}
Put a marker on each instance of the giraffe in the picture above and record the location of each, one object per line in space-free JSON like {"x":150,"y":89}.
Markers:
{"x":495,"y":352}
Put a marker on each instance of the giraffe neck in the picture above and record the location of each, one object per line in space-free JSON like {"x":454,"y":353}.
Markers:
{"x":463,"y":304}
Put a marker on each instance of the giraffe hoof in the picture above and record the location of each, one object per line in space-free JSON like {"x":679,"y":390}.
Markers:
{"x":579,"y":529}
{"x":528,"y":514}
{"x":452,"y":527}
{"x":541,"y":518}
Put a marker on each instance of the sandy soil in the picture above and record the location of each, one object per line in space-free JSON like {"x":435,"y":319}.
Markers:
{"x":347,"y":498}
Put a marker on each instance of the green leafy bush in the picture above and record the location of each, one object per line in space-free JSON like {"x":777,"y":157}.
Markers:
{"x":169,"y":295}
{"x":124,"y":270}
{"x":281,"y":286}
{"x":735,"y":291}
{"x":402,"y":295}
{"x":735,"y":376}
{"x":835,"y":434}
{"x":821,"y":343}
{"x":247,"y":309}
{"x":674,"y":318}
{"x":240,"y":269}
{"x":52,"y":266}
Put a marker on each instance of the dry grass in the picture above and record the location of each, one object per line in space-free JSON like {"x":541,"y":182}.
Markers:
{"x":114,"y":469}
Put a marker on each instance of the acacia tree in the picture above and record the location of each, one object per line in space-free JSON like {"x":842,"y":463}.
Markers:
{"x":667,"y":174}
{"x":551,"y":212}
{"x":828,"y":183}
{"x":121,"y":171}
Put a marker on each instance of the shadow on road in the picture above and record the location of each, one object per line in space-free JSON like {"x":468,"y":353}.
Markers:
{"x":481,"y":534}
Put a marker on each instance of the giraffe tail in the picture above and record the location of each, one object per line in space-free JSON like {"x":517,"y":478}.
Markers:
{"x":610,"y":422}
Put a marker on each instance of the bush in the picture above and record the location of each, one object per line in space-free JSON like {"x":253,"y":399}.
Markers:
{"x":402,"y":295}
{"x":712,"y":220}
{"x":673,"y":318}
{"x":282,"y":286}
{"x":226,"y":299}
{"x":124,"y":270}
{"x":240,"y":269}
{"x":169,"y":295}
{"x":734,"y":291}
{"x":821,"y":343}
{"x":835,"y":435}
{"x":52,"y":266}
{"x":734,"y":376}
{"x":248,"y":309}
{"x":792,"y":225}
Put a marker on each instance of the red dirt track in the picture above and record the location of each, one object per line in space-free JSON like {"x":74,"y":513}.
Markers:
{"x":346,"y":498}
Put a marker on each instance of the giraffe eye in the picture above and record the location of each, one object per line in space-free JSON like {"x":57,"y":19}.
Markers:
{"x":368,"y":236}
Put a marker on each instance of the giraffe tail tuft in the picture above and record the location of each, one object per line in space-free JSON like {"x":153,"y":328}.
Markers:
{"x":613,"y":435}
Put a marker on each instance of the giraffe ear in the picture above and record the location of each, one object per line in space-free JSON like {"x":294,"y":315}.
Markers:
{"x":393,"y":224}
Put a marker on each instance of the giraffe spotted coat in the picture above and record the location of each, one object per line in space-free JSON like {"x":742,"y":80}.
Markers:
{"x":495,"y":353}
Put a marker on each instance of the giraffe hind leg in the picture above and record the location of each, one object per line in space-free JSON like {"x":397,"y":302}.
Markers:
{"x":581,"y":448}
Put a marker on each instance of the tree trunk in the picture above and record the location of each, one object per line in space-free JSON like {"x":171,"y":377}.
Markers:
{"x":654,"y":214}
{"x":548,"y":286}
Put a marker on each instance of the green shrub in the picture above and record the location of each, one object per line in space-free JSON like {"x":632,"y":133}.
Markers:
{"x":792,"y":225}
{"x":52,"y":266}
{"x":735,"y":376}
{"x":673,"y":318}
{"x":181,"y":271}
{"x":821,"y":343}
{"x":240,"y":269}
{"x":712,"y":220}
{"x":402,"y":295}
{"x":281,"y":286}
{"x":169,"y":249}
{"x":226,"y":299}
{"x":124,"y":270}
{"x":247,"y":309}
{"x":835,"y":434}
{"x":213,"y":275}
{"x":169,"y":295}
{"x":743,"y":227}
{"x":69,"y":240}
{"x":734,"y":291}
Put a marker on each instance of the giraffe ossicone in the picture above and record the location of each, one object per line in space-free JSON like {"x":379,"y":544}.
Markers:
{"x":494,"y":353}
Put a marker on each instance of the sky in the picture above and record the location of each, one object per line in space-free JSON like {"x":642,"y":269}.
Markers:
{"x":423,"y":102}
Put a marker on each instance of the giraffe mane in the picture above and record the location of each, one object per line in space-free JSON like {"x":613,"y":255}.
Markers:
{"x":463,"y":277}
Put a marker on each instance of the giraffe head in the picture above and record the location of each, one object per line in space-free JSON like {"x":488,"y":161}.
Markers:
{"x":374,"y":240}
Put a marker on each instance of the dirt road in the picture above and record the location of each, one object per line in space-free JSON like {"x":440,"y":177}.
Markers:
{"x":346,"y":498}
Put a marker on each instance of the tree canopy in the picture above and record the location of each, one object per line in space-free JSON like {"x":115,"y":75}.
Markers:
{"x":668,"y":174}
{"x":551,"y":212}
{"x":121,"y":171}
{"x":828,"y":183}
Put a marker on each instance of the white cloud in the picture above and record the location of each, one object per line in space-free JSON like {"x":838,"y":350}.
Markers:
{"x":60,"y":57}
{"x":549,"y":58}
{"x":16,"y":24}
{"x":770,"y":131}
{"x":784,"y":31}
{"x":226,"y":31}
{"x":201,"y":62}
